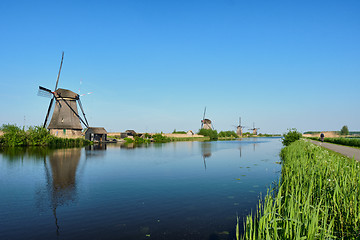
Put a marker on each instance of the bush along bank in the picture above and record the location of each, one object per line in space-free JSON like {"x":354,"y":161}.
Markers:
{"x":35,"y":136}
{"x":318,"y":197}
{"x":351,"y":142}
{"x":157,"y":138}
{"x":212,"y":134}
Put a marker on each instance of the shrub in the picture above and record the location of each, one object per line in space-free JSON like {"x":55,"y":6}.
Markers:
{"x":178,"y":132}
{"x":35,"y":136}
{"x":228,"y":134}
{"x":129,"y":140}
{"x":159,"y":138}
{"x":291,"y":136}
{"x":212,"y":134}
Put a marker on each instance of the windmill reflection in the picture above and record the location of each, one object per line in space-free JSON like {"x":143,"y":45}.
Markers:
{"x":61,"y":178}
{"x":206,"y":151}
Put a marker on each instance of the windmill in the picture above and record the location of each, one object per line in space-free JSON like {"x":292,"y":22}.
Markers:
{"x":65,"y":120}
{"x":239,"y":128}
{"x":254,"y":129}
{"x":206,"y":123}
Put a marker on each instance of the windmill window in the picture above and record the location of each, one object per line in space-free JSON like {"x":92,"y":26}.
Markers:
{"x":62,"y":120}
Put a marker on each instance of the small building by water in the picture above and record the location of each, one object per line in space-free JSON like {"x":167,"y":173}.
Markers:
{"x":96,"y":134}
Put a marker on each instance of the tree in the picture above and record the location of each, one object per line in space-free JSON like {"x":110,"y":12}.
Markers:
{"x":210,"y":133}
{"x":291,"y":136}
{"x":344,"y":130}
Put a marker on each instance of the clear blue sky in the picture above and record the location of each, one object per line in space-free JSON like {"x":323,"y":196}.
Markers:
{"x":154,"y":65}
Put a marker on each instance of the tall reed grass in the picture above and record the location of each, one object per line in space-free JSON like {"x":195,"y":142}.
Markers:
{"x":318,"y":197}
{"x":35,"y":136}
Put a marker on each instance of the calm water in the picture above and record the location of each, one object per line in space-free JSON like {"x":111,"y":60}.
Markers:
{"x":179,"y":190}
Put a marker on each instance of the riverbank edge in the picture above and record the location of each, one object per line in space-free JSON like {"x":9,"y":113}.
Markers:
{"x":300,"y":207}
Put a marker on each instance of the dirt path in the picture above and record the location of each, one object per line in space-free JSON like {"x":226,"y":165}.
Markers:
{"x":344,"y":150}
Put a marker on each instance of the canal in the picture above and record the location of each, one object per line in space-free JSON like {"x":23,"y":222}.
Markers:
{"x":177,"y":190}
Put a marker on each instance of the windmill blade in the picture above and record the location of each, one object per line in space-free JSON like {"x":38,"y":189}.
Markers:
{"x":82,"y":110}
{"x":76,"y":114}
{"x":81,"y":95}
{"x":58,"y":76}
{"x":45,"y":89}
{"x":48,"y":112}
{"x":202,"y":122}
{"x":44,"y":92}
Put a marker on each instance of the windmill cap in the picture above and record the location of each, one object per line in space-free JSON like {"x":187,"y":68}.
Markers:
{"x":65,"y":93}
{"x":206,"y":120}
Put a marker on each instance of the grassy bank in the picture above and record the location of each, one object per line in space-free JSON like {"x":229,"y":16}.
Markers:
{"x":174,"y":139}
{"x":351,"y":142}
{"x":35,"y":136}
{"x":318,"y":197}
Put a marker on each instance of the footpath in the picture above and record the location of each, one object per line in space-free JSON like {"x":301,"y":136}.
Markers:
{"x":344,"y":150}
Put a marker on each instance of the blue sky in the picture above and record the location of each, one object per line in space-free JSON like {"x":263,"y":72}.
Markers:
{"x":154,"y":65}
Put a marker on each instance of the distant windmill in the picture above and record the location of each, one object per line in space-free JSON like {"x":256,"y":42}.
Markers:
{"x":65,"y":120}
{"x":239,"y":128}
{"x":206,"y":123}
{"x":254,"y":129}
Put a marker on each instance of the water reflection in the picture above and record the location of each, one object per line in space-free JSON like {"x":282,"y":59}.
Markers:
{"x":206,"y":151}
{"x":96,"y":150}
{"x":60,"y":172}
{"x":114,"y":191}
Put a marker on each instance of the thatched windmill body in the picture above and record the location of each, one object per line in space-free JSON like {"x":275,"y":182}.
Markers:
{"x":254,"y":129}
{"x":65,"y":120}
{"x":239,"y":128}
{"x":206,"y":123}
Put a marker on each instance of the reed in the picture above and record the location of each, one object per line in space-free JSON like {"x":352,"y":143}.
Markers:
{"x":35,"y":136}
{"x":318,"y":197}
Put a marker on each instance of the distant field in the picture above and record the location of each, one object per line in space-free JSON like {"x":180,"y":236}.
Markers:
{"x":336,"y":132}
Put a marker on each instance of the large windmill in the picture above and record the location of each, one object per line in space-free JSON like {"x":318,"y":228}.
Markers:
{"x":254,"y":129}
{"x":206,"y":123}
{"x":239,"y":128}
{"x":65,"y":120}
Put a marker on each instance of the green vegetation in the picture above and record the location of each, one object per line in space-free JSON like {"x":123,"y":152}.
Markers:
{"x":178,"y":139}
{"x":212,"y":134}
{"x":312,"y":132}
{"x":268,"y":135}
{"x":344,"y":130}
{"x":291,"y":136}
{"x":14,"y":136}
{"x":178,"y":132}
{"x":228,"y":134}
{"x":351,"y":142}
{"x":158,"y":138}
{"x":318,"y":197}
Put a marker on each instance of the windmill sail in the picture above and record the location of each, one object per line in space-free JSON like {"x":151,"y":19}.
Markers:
{"x":57,"y":82}
{"x":65,"y":120}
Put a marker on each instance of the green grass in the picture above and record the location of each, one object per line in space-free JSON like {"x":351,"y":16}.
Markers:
{"x":175,"y":139}
{"x":318,"y":197}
